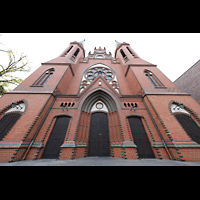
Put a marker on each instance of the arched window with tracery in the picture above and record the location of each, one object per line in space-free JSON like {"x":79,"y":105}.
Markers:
{"x":73,"y":58}
{"x":186,"y":121}
{"x":44,"y":78}
{"x":190,"y":126}
{"x":153,"y":79}
{"x":7,"y":122}
{"x":99,"y":69}
{"x":10,"y":115}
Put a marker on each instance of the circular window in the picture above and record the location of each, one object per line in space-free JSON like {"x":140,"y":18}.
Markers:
{"x":99,"y":105}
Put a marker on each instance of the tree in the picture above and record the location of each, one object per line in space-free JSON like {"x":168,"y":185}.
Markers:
{"x":9,"y":72}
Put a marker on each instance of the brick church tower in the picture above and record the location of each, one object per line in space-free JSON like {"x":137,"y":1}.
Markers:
{"x":75,"y":106}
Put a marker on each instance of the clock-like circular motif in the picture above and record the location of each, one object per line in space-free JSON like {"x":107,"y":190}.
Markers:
{"x":99,"y":105}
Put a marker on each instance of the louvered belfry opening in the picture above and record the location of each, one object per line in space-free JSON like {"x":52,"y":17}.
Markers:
{"x":140,"y":138}
{"x":56,"y":138}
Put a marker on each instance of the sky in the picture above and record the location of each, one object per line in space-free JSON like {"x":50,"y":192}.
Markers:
{"x":173,"y":53}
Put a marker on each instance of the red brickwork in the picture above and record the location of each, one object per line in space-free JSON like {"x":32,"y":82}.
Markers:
{"x":28,"y":137}
{"x":189,"y":81}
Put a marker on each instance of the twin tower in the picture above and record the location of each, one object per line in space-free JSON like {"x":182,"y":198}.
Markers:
{"x":76,"y":106}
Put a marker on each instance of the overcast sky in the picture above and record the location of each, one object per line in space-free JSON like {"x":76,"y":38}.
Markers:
{"x":173,"y":53}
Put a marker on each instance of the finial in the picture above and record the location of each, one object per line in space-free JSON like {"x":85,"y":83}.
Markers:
{"x":82,"y":42}
{"x":117,"y":43}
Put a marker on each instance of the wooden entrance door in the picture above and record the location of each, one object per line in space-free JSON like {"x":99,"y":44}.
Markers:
{"x":56,"y":138}
{"x":140,"y":138}
{"x":99,"y":135}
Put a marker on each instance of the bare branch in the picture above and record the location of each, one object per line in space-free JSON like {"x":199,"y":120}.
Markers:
{"x":16,"y":63}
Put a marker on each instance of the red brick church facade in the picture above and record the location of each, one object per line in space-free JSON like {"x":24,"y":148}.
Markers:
{"x":75,"y":106}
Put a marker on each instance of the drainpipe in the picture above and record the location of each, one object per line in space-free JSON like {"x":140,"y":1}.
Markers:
{"x":164,"y":144}
{"x":32,"y":141}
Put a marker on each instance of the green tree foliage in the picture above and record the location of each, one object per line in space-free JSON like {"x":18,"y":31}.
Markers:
{"x":9,"y":72}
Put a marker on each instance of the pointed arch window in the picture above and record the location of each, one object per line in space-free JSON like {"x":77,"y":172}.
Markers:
{"x":7,"y":122}
{"x":186,"y":120}
{"x":75,"y":54}
{"x":44,"y":78}
{"x":153,"y":79}
{"x":130,"y":51}
{"x":68,"y":51}
{"x":190,"y":126}
{"x":99,"y":69}
{"x":124,"y":55}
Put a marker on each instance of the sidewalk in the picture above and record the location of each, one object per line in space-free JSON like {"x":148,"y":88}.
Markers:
{"x":100,"y":161}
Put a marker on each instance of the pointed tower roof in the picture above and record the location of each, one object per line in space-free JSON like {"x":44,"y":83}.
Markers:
{"x":117,"y":43}
{"x":82,"y":43}
{"x":134,"y":59}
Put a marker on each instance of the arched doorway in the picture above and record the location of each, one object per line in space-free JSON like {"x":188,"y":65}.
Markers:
{"x":140,"y":138}
{"x":99,"y":126}
{"x":99,"y":135}
{"x":191,"y":128}
{"x":56,"y":138}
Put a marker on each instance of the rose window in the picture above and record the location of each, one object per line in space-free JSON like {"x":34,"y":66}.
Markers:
{"x":96,"y":70}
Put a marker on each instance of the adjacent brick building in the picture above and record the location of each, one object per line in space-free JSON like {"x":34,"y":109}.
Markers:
{"x":75,"y":106}
{"x":190,"y":82}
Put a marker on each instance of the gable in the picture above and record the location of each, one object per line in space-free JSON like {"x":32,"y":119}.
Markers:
{"x":102,"y":70}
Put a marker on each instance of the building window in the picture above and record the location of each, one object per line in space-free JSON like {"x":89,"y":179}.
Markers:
{"x":190,"y":126}
{"x":94,"y":72}
{"x":124,"y":55}
{"x":7,"y":122}
{"x":130,"y":51}
{"x":75,"y":55}
{"x":44,"y":78}
{"x":153,"y":79}
{"x":68,"y":50}
{"x":67,"y":104}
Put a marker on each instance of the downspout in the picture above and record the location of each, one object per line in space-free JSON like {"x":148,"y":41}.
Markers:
{"x":32,"y":141}
{"x":164,"y":144}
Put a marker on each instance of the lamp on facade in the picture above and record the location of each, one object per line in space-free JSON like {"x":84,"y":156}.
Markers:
{"x":15,"y":105}
{"x":179,"y":105}
{"x":134,"y":106}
